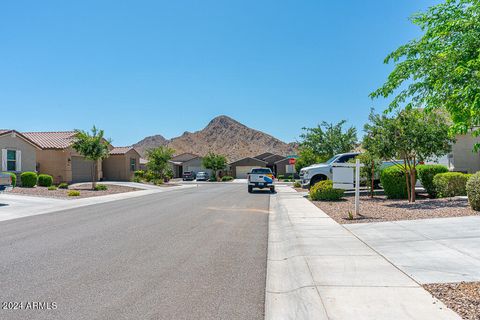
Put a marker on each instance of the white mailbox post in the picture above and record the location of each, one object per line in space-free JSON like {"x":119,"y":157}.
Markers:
{"x":347,"y":176}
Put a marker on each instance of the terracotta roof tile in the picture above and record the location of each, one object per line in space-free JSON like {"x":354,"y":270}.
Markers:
{"x":51,"y":140}
{"x":120,"y":150}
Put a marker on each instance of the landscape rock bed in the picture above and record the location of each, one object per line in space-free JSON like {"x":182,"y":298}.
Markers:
{"x":463,"y":297}
{"x":381,"y":209}
{"x":84,"y":189}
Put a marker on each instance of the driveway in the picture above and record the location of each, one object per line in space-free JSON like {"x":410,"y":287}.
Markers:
{"x":430,"y":250}
{"x":194,"y":253}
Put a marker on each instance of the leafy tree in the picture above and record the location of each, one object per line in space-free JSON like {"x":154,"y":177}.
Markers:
{"x":441,"y":69}
{"x":371,"y":167}
{"x":158,"y":161}
{"x":93,"y":146}
{"x":214,"y":162}
{"x":412,"y":135}
{"x":324,"y":141}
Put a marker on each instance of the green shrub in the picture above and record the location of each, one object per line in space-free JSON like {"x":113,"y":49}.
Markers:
{"x":51,"y":188}
{"x":281,"y":177}
{"x":73,"y":193}
{"x":393,"y":183}
{"x":28,"y":179}
{"x":44,"y":180}
{"x":139,"y":174}
{"x":286,"y":180}
{"x":157,"y":182}
{"x":473,"y":191}
{"x":227,"y":178}
{"x":100,"y":187}
{"x":212,"y":179}
{"x":450,"y":184}
{"x":426,"y":172}
{"x":14,"y":178}
{"x":324,"y":190}
{"x":136,"y":179}
{"x":63,"y":185}
{"x":297,"y":184}
{"x":149,"y":176}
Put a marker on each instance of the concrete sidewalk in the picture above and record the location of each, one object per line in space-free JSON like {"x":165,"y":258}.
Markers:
{"x":317,"y":269}
{"x":13,"y":206}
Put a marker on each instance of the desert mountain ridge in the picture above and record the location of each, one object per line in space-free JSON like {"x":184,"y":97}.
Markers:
{"x":222,"y":135}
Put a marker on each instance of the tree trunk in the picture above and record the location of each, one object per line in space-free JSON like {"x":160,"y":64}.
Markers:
{"x":94,"y":174}
{"x":373,"y":179}
{"x":412,"y":182}
{"x":406,"y":180}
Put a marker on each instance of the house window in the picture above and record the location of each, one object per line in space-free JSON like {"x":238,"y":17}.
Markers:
{"x":132,"y":164}
{"x":11,"y":160}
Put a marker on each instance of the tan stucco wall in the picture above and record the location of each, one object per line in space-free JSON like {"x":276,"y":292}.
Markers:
{"x":464,"y":159}
{"x":29,"y":162}
{"x":57,"y":163}
{"x":117,"y":167}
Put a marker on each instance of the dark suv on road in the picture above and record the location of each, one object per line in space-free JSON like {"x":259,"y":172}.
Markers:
{"x":188,"y":176}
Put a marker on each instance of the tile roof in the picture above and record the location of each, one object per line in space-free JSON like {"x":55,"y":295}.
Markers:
{"x":19,"y":134}
{"x":120,"y":150}
{"x":51,"y":140}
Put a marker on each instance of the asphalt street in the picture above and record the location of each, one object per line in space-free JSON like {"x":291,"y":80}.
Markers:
{"x":196,"y":253}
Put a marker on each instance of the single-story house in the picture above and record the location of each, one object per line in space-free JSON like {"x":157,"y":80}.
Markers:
{"x":283,"y":167}
{"x":19,"y":153}
{"x":58,"y":159}
{"x":187,"y":162}
{"x":240,"y":168}
{"x":463,"y":158}
{"x":121,"y":164}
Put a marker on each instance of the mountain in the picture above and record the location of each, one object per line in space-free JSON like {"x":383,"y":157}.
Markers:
{"x":222,"y":135}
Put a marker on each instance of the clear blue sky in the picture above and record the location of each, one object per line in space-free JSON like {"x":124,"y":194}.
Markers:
{"x":138,"y":68}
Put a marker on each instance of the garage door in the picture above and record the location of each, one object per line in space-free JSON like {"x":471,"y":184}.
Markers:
{"x":241,"y":171}
{"x":81,"y":169}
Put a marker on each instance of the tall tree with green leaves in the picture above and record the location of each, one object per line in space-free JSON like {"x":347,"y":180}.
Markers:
{"x":324,"y":141}
{"x":158,"y":161}
{"x":214,"y":162}
{"x":93,"y":146}
{"x":411,"y":136}
{"x":441,"y":69}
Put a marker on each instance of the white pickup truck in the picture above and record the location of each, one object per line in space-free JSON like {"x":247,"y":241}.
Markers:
{"x":5,"y":182}
{"x":323,"y":171}
{"x":261,"y":178}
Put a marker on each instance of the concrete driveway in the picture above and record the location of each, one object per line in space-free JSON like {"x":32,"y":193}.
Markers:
{"x":431,"y":250}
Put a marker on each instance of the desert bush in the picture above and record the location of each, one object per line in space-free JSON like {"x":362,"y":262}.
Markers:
{"x":212,"y":179}
{"x":136,"y":179}
{"x":63,"y":185}
{"x":73,"y":193}
{"x":51,"y":188}
{"x":227,"y":178}
{"x":393,"y":183}
{"x":14,"y":178}
{"x":100,"y":187}
{"x":473,"y":191}
{"x":450,"y":184}
{"x":281,"y":177}
{"x":324,"y":190}
{"x":139,"y":174}
{"x":297,"y":184}
{"x":426,"y":172}
{"x":44,"y":180}
{"x":157,"y":181}
{"x":28,"y":179}
{"x":149,"y":176}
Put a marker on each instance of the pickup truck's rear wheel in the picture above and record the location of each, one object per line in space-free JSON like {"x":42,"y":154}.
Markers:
{"x":250,"y":189}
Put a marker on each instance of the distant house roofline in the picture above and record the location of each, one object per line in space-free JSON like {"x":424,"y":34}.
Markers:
{"x":20,"y":135}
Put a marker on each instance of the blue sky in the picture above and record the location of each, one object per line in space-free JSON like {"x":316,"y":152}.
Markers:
{"x":138,"y":68}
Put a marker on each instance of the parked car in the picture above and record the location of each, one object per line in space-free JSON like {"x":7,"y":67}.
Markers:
{"x":261,"y":178}
{"x":188,"y":176}
{"x":310,"y":175}
{"x":5,"y":182}
{"x":202,"y":176}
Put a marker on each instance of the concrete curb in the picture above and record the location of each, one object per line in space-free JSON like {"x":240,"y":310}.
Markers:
{"x":54,"y":205}
{"x":316,"y":269}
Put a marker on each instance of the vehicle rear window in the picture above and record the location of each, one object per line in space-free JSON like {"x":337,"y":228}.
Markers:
{"x":262,"y":171}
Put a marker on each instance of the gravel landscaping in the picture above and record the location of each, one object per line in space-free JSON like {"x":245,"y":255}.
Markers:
{"x":84,"y":189}
{"x":381,"y":209}
{"x":463,"y":297}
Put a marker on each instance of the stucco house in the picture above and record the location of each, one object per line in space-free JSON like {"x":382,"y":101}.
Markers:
{"x":18,"y":152}
{"x":187,"y":162}
{"x":121,"y":164}
{"x":240,"y":168}
{"x":277,"y":163}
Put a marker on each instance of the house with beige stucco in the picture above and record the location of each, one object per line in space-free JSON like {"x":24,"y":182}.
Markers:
{"x":18,"y":152}
{"x":56,"y":157}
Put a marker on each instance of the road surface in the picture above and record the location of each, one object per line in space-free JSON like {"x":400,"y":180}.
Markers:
{"x":197,"y":253}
